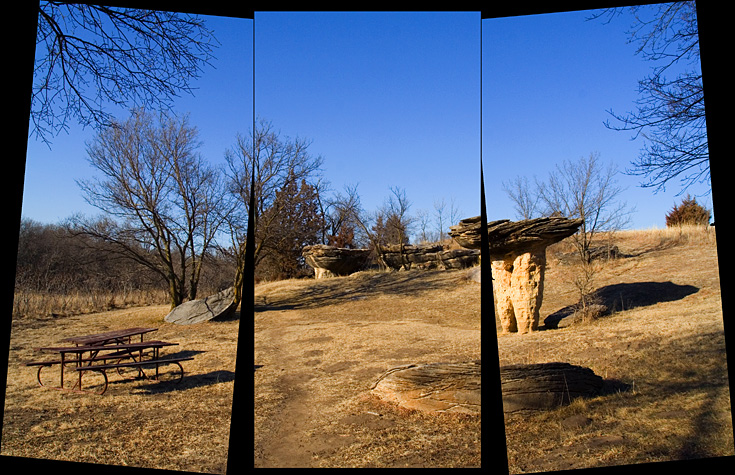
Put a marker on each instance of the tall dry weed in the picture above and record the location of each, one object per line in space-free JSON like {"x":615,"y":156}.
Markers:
{"x":675,"y":235}
{"x":49,"y":305}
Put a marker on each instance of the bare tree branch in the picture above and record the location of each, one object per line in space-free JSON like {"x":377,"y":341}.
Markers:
{"x":89,"y":56}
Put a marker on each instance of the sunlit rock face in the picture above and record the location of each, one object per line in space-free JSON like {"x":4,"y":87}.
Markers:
{"x":517,"y":251}
{"x":330,"y":261}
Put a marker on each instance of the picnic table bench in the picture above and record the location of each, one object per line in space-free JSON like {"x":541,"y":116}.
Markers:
{"x":104,"y":347}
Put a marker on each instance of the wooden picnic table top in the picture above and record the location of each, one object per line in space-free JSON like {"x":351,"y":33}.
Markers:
{"x":123,"y":346}
{"x":105,"y":337}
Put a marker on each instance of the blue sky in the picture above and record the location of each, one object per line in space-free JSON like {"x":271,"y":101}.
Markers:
{"x":548,"y":82}
{"x":393,"y":99}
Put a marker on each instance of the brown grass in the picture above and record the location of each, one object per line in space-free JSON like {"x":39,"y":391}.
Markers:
{"x":319,"y":345}
{"x":662,"y":356}
{"x":138,"y":423}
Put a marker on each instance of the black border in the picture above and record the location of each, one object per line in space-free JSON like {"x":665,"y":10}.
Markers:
{"x":713,"y":29}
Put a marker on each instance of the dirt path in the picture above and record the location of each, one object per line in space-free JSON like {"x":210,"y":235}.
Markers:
{"x":314,"y":370}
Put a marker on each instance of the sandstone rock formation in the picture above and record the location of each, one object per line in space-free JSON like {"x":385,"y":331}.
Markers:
{"x":518,"y":260}
{"x":330,"y":261}
{"x":429,"y":257}
{"x":534,"y":387}
{"x":514,"y":237}
{"x":434,"y":387}
{"x":219,"y":305}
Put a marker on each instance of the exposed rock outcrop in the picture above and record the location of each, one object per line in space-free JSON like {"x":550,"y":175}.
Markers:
{"x":330,"y":261}
{"x":514,"y":237}
{"x":434,"y":387}
{"x":219,"y":305}
{"x":541,"y":386}
{"x":518,"y":259}
{"x":429,"y":257}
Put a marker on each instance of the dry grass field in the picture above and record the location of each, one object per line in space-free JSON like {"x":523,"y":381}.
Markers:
{"x":319,"y":346}
{"x":662,"y":353}
{"x":181,"y":426}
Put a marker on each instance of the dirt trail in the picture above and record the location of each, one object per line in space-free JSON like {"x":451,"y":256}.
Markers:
{"x":314,"y":370}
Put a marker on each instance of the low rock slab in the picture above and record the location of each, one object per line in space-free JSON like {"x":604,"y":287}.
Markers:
{"x":433,"y":387}
{"x":543,"y":386}
{"x":218,"y":305}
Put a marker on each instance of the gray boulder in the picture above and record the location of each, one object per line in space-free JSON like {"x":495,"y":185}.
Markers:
{"x":218,"y":305}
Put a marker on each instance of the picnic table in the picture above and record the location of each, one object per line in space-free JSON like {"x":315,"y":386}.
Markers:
{"x":94,"y":353}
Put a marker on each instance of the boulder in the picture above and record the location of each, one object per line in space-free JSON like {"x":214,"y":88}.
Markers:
{"x":330,"y":261}
{"x":433,"y":387}
{"x":518,"y":260}
{"x":219,"y":305}
{"x":542,"y":386}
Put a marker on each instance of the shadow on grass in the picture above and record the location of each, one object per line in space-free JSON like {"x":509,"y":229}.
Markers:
{"x":188,"y":382}
{"x":360,"y":286}
{"x":626,"y":296}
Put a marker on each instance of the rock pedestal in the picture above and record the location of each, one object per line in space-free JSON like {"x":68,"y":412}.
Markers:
{"x":330,"y":261}
{"x":519,"y":290}
{"x":518,"y":259}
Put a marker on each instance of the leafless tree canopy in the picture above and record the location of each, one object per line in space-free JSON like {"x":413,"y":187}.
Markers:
{"x":277,"y":163}
{"x":670,"y":113}
{"x":89,"y":56}
{"x":163,"y":203}
{"x":587,"y":189}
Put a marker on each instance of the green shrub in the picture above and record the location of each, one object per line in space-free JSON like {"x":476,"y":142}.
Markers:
{"x":689,"y":212}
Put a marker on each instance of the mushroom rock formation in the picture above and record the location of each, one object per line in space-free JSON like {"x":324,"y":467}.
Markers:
{"x":429,"y":257}
{"x":518,"y":259}
{"x":330,"y":261}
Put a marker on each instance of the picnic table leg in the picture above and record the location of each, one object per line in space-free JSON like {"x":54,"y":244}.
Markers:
{"x":79,"y":364}
{"x":141,"y":374}
{"x":155,"y":357}
{"x":62,"y":370}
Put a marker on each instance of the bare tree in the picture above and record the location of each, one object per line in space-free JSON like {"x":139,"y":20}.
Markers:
{"x":339,"y":215}
{"x":455,"y":214}
{"x":445,"y":215}
{"x":398,"y":221}
{"x":273,"y":162}
{"x":526,"y":200}
{"x":586,"y":189}
{"x":162,"y":201}
{"x":89,"y":55}
{"x":422,"y":218}
{"x":670,"y":112}
{"x":441,"y":218}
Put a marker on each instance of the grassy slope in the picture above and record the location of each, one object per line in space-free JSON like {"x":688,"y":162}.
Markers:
{"x":665,"y":345}
{"x":320,"y":345}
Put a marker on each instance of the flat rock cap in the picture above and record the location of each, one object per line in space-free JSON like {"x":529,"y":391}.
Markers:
{"x":506,"y":236}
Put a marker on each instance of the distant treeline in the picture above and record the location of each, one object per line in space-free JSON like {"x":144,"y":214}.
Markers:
{"x":73,"y":273}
